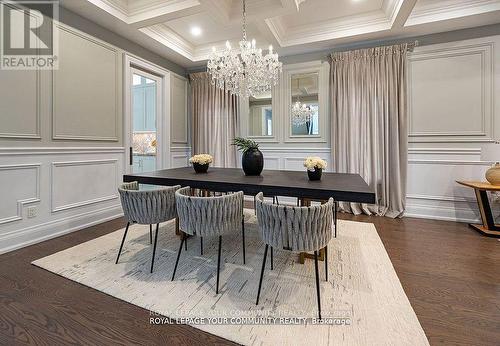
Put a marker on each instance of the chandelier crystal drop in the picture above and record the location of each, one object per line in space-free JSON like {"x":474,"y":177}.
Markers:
{"x":244,"y":72}
{"x":301,"y":113}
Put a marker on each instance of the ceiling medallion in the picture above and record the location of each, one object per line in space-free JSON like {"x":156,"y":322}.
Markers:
{"x":244,"y":72}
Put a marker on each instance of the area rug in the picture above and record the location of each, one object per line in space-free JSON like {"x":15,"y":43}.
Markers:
{"x":363,"y":302}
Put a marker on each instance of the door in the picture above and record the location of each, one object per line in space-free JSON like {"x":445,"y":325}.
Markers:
{"x":146,"y":91}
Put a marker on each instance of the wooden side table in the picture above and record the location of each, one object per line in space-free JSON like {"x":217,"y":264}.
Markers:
{"x":488,"y":228}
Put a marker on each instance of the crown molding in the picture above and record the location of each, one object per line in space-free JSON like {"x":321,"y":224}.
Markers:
{"x":328,"y":30}
{"x":447,"y":9}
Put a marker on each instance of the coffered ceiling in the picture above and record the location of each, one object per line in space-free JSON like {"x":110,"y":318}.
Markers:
{"x":185,"y":30}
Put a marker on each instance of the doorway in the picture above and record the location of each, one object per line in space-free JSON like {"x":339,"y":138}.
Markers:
{"x":147,"y":120}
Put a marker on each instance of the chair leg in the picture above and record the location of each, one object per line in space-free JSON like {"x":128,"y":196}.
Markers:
{"x":272,"y":259}
{"x":185,"y":242}
{"x":255,"y":205}
{"x":123,"y":241}
{"x":154,"y":247}
{"x":150,"y":234}
{"x":201,"y":246}
{"x":218,"y":266}
{"x":317,"y":282}
{"x":326,"y":263}
{"x":178,"y":256}
{"x":262,"y":274}
{"x":243,"y":236}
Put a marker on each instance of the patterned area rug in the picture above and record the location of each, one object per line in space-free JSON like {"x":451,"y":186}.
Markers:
{"x":363,"y":303}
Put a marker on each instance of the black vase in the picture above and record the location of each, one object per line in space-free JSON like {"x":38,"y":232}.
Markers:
{"x":252,"y":162}
{"x":199,"y":168}
{"x":316,"y":174}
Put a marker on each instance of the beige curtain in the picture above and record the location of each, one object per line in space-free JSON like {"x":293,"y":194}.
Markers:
{"x":215,"y":120}
{"x":369,"y":127}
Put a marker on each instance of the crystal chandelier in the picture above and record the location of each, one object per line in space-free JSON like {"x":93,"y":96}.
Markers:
{"x":246,"y":72}
{"x":301,"y":113}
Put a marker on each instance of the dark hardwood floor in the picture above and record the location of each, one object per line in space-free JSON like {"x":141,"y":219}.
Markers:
{"x":450,"y":273}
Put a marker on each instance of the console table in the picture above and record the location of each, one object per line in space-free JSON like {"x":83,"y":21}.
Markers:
{"x":488,"y":228}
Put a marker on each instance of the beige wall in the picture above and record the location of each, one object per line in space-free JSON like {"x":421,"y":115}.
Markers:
{"x":80,"y":104}
{"x":62,"y":151}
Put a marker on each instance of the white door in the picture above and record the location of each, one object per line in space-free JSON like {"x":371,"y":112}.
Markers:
{"x":145,"y":113}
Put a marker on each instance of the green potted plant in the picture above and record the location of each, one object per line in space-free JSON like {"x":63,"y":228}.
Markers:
{"x":252,"y":159}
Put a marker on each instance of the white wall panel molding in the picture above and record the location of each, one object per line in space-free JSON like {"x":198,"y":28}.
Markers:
{"x":295,"y":150}
{"x":444,"y":151}
{"x":180,"y":156}
{"x":92,"y":181}
{"x":19,"y":193}
{"x":449,"y":162}
{"x":100,"y":105}
{"x":180,"y":149}
{"x":28,"y":99}
{"x":179,"y":115}
{"x":452,"y":85}
{"x":59,"y":150}
{"x":441,"y":198}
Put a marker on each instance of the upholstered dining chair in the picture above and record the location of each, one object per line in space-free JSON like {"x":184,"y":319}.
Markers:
{"x":209,"y":216}
{"x":147,"y":207}
{"x":298,"y":229}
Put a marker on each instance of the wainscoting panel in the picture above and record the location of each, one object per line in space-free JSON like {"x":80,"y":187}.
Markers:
{"x":452,"y":113}
{"x":51,"y":191}
{"x":79,"y":183}
{"x":20,"y":186}
{"x":180,"y":156}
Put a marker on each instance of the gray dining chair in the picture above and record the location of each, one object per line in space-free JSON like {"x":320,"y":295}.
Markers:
{"x":298,"y":229}
{"x":209,"y":216}
{"x":147,"y":207}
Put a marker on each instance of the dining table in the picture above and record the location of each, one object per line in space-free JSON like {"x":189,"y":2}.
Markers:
{"x":342,"y":187}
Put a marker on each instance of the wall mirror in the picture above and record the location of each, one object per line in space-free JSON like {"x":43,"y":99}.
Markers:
{"x":260,"y":116}
{"x":305,"y":109}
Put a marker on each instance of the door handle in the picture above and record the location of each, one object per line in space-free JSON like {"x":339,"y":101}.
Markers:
{"x":131,"y":157}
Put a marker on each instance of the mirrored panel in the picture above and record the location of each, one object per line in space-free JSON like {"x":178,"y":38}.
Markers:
{"x":304,"y":112}
{"x":260,"y":116}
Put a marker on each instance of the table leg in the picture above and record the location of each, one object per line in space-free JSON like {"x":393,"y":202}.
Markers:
{"x":488,"y":227}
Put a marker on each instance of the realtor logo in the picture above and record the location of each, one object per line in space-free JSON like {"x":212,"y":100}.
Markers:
{"x":29,"y":37}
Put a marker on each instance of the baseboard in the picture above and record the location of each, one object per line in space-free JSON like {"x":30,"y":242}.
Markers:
{"x":415,"y":210}
{"x":442,"y":213}
{"x":55,"y":228}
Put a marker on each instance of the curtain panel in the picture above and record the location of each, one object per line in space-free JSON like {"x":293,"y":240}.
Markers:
{"x":369,"y":123}
{"x":215,"y":116}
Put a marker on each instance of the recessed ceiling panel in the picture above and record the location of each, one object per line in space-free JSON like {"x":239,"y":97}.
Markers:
{"x":211,"y":31}
{"x":312,"y":11}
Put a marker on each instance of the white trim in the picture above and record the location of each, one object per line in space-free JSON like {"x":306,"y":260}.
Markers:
{"x":163,"y":116}
{"x":23,"y":202}
{"x":59,"y":150}
{"x":31,"y":235}
{"x":295,"y":150}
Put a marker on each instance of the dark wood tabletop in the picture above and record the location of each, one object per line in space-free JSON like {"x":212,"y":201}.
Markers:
{"x":341,"y":186}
